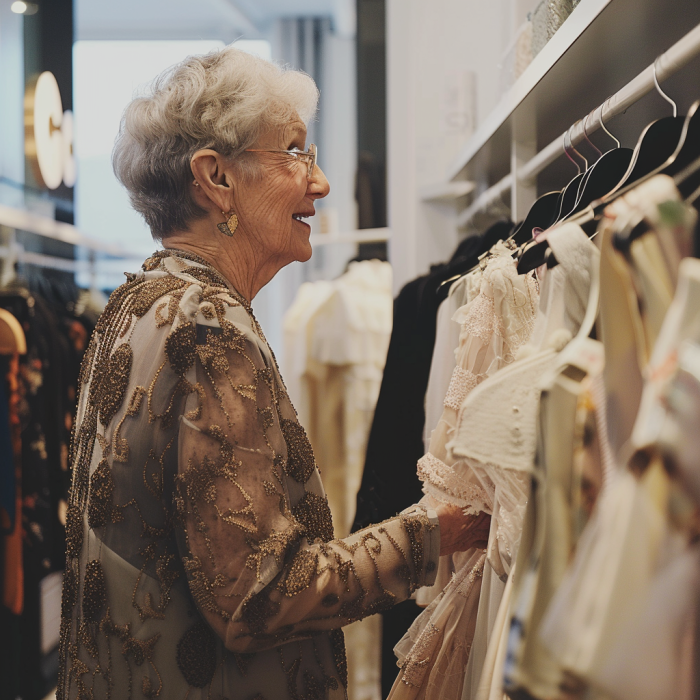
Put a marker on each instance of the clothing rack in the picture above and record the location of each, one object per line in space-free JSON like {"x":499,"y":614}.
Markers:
{"x":665,"y":66}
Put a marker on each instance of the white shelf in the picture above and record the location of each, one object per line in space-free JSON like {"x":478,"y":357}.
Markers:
{"x":446,"y":191}
{"x":575,"y":25}
{"x":367,"y":235}
{"x":57,"y":230}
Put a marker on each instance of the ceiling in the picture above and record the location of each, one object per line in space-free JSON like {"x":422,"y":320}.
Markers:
{"x":225,"y":20}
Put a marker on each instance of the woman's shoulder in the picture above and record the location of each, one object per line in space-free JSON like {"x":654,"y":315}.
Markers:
{"x":170,"y":293}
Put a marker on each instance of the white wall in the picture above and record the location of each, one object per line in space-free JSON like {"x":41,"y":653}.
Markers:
{"x":434,"y":51}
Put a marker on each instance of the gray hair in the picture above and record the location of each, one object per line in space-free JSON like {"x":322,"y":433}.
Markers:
{"x":223,"y":100}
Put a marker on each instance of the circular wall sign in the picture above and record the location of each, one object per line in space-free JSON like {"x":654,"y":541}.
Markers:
{"x":48,"y":133}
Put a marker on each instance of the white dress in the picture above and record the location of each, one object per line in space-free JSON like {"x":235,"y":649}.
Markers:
{"x":494,"y":325}
{"x":496,"y":439}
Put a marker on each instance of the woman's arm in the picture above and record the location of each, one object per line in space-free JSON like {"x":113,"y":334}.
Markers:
{"x":255,"y":533}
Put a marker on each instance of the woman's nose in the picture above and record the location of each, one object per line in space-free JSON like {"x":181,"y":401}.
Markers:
{"x":319,"y":186}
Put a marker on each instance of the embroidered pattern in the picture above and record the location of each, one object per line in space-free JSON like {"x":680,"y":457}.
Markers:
{"x":461,"y":383}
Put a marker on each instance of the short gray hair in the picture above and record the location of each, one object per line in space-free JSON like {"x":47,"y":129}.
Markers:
{"x":223,"y":100}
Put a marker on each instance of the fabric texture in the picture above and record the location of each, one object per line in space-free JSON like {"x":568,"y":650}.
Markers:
{"x":201,"y":555}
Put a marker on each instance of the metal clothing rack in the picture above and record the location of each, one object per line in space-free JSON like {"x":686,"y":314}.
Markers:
{"x":665,"y":66}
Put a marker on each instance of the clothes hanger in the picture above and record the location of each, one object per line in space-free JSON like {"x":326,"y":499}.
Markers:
{"x":498,"y":231}
{"x":603,"y":176}
{"x":569,"y":194}
{"x":532,"y":256}
{"x":547,"y":208}
{"x":612,"y":163}
{"x":683,"y":166}
{"x":657,"y":143}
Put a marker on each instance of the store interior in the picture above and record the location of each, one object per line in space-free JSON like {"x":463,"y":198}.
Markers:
{"x":499,"y":315}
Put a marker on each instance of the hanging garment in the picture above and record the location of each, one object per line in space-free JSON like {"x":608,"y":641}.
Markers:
{"x":666,"y":616}
{"x":310,"y":297}
{"x":621,"y":546}
{"x":567,"y":476}
{"x":494,"y":324}
{"x":502,"y":411}
{"x":344,"y":328}
{"x":348,"y":336}
{"x":200,"y":555}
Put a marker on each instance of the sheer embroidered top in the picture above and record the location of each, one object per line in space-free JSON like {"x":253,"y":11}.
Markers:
{"x":201,"y":560}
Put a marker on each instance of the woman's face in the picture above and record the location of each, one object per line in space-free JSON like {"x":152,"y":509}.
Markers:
{"x":272,"y":209}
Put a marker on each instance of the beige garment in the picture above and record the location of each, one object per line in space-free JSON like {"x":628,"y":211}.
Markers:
{"x":297,"y":331}
{"x":200,"y":553}
{"x":494,"y":324}
{"x":550,"y":526}
{"x":503,"y":412}
{"x":628,"y":536}
{"x":340,"y":332}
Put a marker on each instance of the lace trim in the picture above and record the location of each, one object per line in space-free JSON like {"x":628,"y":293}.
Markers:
{"x":482,"y":320}
{"x":417,"y":660}
{"x":461,"y":383}
{"x":465,"y":586}
{"x":470,"y":495}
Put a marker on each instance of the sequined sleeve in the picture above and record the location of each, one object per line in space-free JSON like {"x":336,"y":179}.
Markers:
{"x":255,"y":530}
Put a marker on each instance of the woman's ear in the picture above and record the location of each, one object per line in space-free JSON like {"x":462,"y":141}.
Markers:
{"x":215,"y":184}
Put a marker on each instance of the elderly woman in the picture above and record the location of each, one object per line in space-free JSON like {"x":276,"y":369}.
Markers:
{"x":201,"y":561}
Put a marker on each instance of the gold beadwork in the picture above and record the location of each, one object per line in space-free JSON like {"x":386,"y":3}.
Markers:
{"x":196,"y":655}
{"x":101,"y":488}
{"x":180,"y":348}
{"x":114,"y":383}
{"x":339,"y":655}
{"x":94,"y":591}
{"x":300,"y":455}
{"x":314,"y":514}
{"x":301,"y":573}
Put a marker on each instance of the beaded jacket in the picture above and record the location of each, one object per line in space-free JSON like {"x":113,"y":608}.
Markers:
{"x":201,"y":560}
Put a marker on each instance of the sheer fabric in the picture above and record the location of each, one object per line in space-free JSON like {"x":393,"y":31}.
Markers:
{"x":201,"y":557}
{"x":494,"y":323}
{"x":496,"y":438}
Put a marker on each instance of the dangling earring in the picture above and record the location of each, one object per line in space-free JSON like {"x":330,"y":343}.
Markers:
{"x":228,"y":227}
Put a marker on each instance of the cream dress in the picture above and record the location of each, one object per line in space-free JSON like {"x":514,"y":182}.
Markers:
{"x":494,"y":325}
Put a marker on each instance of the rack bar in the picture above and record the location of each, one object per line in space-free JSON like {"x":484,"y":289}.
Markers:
{"x":667,"y":64}
{"x":485,"y":200}
{"x":683,"y":51}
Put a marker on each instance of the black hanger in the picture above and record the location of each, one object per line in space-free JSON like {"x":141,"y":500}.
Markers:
{"x":657,"y":148}
{"x":542,"y":215}
{"x":656,"y":145}
{"x":681,"y":165}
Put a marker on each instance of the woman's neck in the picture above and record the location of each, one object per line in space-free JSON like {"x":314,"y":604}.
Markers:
{"x":233,"y":257}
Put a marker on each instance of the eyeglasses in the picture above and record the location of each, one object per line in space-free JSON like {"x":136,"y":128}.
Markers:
{"x":309,"y":156}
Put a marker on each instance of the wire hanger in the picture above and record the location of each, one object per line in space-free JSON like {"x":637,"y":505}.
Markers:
{"x":661,"y":92}
{"x":605,"y":128}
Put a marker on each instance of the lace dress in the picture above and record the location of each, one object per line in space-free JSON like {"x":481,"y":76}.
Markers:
{"x":494,"y":325}
{"x":495,"y":438}
{"x":201,"y":558}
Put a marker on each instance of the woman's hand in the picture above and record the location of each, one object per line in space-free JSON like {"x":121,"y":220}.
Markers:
{"x":459,"y":531}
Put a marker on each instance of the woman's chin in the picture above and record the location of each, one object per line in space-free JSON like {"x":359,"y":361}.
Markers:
{"x":304,"y":252}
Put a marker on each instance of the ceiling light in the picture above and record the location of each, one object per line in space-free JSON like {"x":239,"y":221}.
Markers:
{"x":24,"y":8}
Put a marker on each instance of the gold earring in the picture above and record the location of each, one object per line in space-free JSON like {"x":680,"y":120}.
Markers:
{"x":228,"y":227}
